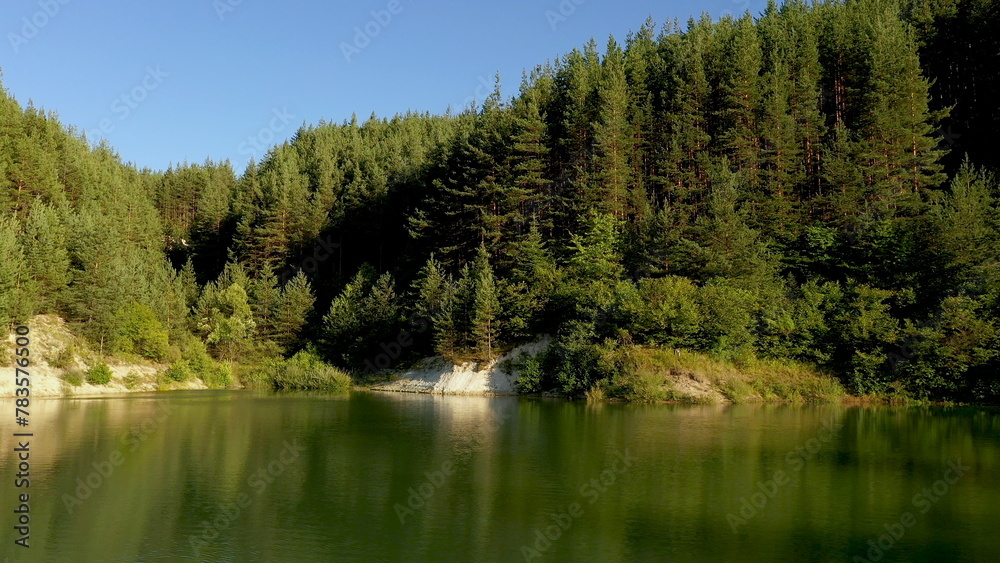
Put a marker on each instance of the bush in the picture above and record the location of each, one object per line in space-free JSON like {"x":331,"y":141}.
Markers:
{"x":74,"y":377}
{"x":99,"y":374}
{"x":138,"y":331}
{"x":65,"y":359}
{"x":528,"y":368}
{"x":578,"y":366}
{"x":132,"y":379}
{"x":667,"y":311}
{"x":304,"y":370}
{"x":179,"y":372}
{"x":218,"y":376}
{"x":197,"y":358}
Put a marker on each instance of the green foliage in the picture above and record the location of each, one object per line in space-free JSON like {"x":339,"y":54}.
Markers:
{"x":759,"y":187}
{"x":11,"y":261}
{"x":727,"y":317}
{"x":99,"y":374}
{"x":293,"y":309}
{"x":179,"y":371}
{"x":75,"y":377}
{"x":573,"y":364}
{"x":218,"y":376}
{"x":140,"y":332}
{"x":132,"y":379}
{"x":226,"y":319}
{"x":365,"y":315}
{"x":485,"y":306}
{"x":530,"y":373}
{"x":304,"y":370}
{"x":47,"y":258}
{"x":666,"y":311}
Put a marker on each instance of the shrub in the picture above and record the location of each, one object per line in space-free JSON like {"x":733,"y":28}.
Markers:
{"x":667,"y":311}
{"x":643,"y":388}
{"x":179,"y":371}
{"x":596,"y":393}
{"x":197,"y":358}
{"x":577,"y":366}
{"x":528,"y":368}
{"x":99,"y":374}
{"x":304,"y":370}
{"x":132,"y":379}
{"x":65,"y":359}
{"x":138,"y":331}
{"x":218,"y":376}
{"x":74,"y":377}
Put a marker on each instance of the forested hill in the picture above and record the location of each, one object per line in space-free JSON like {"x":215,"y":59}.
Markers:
{"x":813,"y":183}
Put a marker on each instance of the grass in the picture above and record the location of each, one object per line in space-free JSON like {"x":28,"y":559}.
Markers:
{"x":132,"y":380}
{"x":302,"y":371}
{"x":596,"y":394}
{"x":652,"y":373}
{"x":66,"y":358}
{"x":74,"y":377}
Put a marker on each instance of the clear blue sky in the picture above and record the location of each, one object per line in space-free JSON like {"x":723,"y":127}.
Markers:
{"x":201,"y":78}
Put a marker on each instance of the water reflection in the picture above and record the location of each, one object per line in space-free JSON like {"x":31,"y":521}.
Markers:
{"x":230,"y":476}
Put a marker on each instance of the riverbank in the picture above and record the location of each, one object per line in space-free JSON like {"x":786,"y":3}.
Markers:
{"x":439,"y":376}
{"x":650,"y":375}
{"x":60,"y":359}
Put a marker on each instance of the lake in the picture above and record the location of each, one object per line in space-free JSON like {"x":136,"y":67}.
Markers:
{"x":244,"y":476}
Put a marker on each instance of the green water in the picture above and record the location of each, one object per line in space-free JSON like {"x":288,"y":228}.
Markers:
{"x":343,"y":477}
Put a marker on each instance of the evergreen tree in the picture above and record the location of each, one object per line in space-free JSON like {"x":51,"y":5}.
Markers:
{"x":614,"y":140}
{"x":11,"y":264}
{"x":46,"y":258}
{"x":292,"y":311}
{"x":486,"y":306}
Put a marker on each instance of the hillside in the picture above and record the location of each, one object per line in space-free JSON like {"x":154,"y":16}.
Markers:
{"x":781,"y":187}
{"x":60,"y":361}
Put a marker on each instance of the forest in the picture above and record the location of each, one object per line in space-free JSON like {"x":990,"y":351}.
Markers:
{"x":814,"y":183}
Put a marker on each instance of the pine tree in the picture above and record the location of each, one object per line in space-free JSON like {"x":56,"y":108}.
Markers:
{"x":11,"y":264}
{"x":740,"y":92}
{"x":897,"y":126}
{"x":265,"y":296}
{"x":292,"y":311}
{"x":531,"y":156}
{"x":525,"y":292}
{"x":685,"y":162}
{"x":228,"y":324}
{"x":486,"y":306}
{"x":46,"y":258}
{"x":614,"y":140}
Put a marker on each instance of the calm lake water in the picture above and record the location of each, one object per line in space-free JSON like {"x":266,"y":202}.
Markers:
{"x":241,"y":476}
